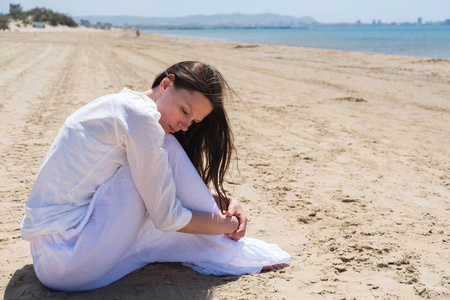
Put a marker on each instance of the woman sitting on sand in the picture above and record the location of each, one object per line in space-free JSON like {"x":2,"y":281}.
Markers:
{"x":125,"y":183}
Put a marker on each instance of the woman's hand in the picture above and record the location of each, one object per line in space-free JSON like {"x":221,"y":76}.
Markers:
{"x":233,"y":222}
{"x":235,"y":209}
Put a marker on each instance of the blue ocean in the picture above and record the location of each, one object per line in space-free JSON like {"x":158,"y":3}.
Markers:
{"x":424,"y":41}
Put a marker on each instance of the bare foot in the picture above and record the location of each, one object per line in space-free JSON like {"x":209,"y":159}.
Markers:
{"x":272,"y":267}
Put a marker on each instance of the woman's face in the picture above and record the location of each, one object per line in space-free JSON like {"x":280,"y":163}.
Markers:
{"x":180,"y":108}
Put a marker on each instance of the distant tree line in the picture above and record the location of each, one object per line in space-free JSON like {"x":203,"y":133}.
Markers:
{"x":38,"y":14}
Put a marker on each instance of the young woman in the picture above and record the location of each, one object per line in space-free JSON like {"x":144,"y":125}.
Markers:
{"x":125,"y":183}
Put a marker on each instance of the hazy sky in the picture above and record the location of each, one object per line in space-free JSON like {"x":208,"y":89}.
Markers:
{"x":324,"y":11}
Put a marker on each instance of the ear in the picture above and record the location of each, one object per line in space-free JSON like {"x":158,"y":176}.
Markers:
{"x":166,"y":82}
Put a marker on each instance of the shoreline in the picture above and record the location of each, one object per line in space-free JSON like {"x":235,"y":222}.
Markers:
{"x":343,"y":160}
{"x":60,"y":28}
{"x":351,"y":43}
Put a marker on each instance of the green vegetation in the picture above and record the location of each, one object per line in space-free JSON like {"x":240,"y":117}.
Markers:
{"x":4,"y":22}
{"x":38,"y":14}
{"x":53,"y":18}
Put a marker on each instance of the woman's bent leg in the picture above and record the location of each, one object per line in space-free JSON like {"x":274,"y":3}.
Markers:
{"x":159,"y":246}
{"x":190,"y":188}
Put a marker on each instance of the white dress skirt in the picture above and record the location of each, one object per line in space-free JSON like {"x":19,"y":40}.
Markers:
{"x":117,"y":236}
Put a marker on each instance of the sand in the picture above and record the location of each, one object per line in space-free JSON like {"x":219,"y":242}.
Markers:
{"x":343,"y":161}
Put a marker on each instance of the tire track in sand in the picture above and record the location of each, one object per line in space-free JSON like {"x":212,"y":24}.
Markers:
{"x":49,"y":81}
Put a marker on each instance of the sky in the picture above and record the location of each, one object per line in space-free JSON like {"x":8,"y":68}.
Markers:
{"x":324,"y":11}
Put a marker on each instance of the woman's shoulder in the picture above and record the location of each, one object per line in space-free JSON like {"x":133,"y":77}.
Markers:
{"x":138,"y":102}
{"x":124,"y":105}
{"x":127,"y":103}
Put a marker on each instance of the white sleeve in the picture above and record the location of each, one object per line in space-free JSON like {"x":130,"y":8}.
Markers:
{"x":138,"y":128}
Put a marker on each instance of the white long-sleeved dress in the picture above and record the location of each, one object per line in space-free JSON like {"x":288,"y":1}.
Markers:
{"x":110,"y":195}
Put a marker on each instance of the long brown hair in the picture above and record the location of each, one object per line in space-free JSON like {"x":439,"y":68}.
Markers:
{"x":208,"y":144}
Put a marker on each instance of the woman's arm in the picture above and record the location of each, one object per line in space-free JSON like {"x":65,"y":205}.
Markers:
{"x":209,"y":223}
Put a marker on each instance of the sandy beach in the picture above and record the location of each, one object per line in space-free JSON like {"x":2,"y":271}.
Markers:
{"x":343,"y":161}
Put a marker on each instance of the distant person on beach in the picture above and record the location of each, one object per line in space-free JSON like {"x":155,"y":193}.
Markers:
{"x":137,"y":33}
{"x":125,"y":183}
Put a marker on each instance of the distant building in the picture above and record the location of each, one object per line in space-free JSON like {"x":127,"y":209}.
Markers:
{"x":375,"y":22}
{"x":419,"y":21}
{"x":103,"y":25}
{"x":38,"y":24}
{"x":85,"y":23}
{"x":358,"y":22}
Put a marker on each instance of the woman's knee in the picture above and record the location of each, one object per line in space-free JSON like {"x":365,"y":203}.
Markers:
{"x":178,"y":159}
{"x":172,"y":145}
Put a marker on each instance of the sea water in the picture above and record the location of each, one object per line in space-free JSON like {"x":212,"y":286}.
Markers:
{"x":425,"y":41}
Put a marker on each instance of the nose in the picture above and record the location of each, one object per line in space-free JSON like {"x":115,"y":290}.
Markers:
{"x":184,"y":126}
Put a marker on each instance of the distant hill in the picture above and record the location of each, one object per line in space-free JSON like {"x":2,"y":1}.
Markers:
{"x":205,"y":21}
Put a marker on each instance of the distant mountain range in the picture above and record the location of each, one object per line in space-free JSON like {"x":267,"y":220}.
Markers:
{"x":205,"y":21}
